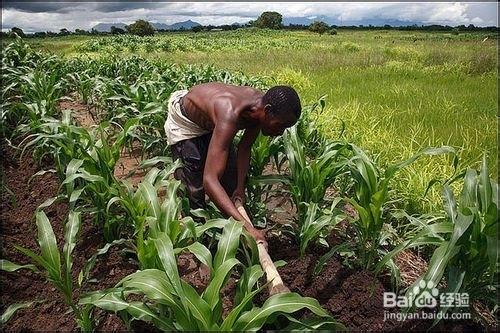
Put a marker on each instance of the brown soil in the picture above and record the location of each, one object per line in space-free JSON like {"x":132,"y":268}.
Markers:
{"x":127,"y":167}
{"x":81,"y":112}
{"x":353,"y":297}
{"x":18,"y":228}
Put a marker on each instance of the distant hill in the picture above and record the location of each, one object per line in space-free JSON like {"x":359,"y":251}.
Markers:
{"x":187,"y":25}
{"x":336,"y":21}
{"x":106,"y":27}
{"x":183,"y":25}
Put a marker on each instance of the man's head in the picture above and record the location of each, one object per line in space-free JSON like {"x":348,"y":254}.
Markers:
{"x":282,"y":110}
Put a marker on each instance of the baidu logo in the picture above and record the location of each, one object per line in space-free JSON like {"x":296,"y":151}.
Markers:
{"x":425,"y":294}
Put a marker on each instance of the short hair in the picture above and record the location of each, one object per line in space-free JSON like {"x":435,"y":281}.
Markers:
{"x":283,"y":100}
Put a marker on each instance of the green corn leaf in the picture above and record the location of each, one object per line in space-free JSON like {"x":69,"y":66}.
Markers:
{"x":36,"y":258}
{"x":11,"y":310}
{"x":202,"y":253}
{"x":455,"y":280}
{"x":268,"y":180}
{"x":228,"y":243}
{"x":50,"y":201}
{"x":313,"y":324}
{"x":75,"y":195}
{"x":8,"y":266}
{"x":92,"y":261}
{"x":426,"y":151}
{"x":149,"y":195}
{"x":247,"y":281}
{"x":327,"y":256}
{"x":212,"y":293}
{"x":165,"y":252}
{"x":485,"y":190}
{"x":246,"y":301}
{"x":450,"y":204}
{"x":110,"y":300}
{"x":249,"y":242}
{"x":468,"y":197}
{"x":199,"y":308}
{"x":437,"y":264}
{"x":86,"y":176}
{"x":48,"y":244}
{"x":214,"y":223}
{"x":73,"y":167}
{"x":141,"y":312}
{"x":40,"y":173}
{"x":254,"y":319}
{"x":153,"y":283}
{"x":71,"y":230}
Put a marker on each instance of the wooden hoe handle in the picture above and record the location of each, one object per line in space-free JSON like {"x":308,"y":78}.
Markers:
{"x":276,"y":285}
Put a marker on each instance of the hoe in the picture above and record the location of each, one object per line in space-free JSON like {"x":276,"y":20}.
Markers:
{"x":276,"y":285}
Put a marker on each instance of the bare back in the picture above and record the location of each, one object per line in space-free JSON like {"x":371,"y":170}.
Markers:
{"x":207,"y":104}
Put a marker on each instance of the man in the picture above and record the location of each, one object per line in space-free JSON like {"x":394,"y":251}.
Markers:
{"x":200,"y":129}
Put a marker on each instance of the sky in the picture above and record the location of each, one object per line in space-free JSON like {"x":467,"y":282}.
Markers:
{"x":53,"y":16}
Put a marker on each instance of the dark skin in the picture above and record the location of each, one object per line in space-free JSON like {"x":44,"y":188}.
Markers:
{"x":224,"y":110}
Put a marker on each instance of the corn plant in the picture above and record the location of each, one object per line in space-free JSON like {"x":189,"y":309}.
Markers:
{"x":60,"y":139}
{"x":154,"y":208}
{"x":59,"y":271}
{"x":172,"y":304}
{"x":260,"y":187}
{"x":85,"y":162}
{"x":468,"y":254}
{"x":149,"y":213}
{"x":83,"y":83}
{"x":315,"y":223}
{"x":310,"y":178}
{"x":38,"y":86}
{"x":370,"y":201}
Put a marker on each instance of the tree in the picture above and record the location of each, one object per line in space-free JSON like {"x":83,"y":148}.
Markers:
{"x":117,"y":31}
{"x":17,"y":31}
{"x":270,"y":20}
{"x":64,"y":32}
{"x":319,"y":27}
{"x":141,"y":28}
{"x":197,"y":28}
{"x":81,"y":32}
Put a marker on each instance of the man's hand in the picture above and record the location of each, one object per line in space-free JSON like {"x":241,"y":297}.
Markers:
{"x":238,"y":195}
{"x":258,"y":235}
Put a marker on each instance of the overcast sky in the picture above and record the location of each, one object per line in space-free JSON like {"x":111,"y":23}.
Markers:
{"x":45,"y":16}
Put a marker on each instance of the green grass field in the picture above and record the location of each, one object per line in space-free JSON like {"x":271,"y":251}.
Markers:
{"x":396,"y":91}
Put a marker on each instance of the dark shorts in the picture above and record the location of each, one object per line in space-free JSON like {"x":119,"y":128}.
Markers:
{"x":193,"y":154}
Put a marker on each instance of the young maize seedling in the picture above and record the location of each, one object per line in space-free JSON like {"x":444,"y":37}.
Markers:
{"x":59,"y":271}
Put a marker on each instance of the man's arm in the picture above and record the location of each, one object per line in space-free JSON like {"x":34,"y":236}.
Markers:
{"x":243,"y":160}
{"x":215,"y":165}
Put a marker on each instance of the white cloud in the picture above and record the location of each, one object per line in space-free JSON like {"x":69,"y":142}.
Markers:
{"x":85,"y":15}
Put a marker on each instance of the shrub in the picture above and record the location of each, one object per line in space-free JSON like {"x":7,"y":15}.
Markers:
{"x":319,"y":27}
{"x":141,"y":28}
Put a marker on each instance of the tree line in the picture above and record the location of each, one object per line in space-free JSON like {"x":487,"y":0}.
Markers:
{"x":267,"y":20}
